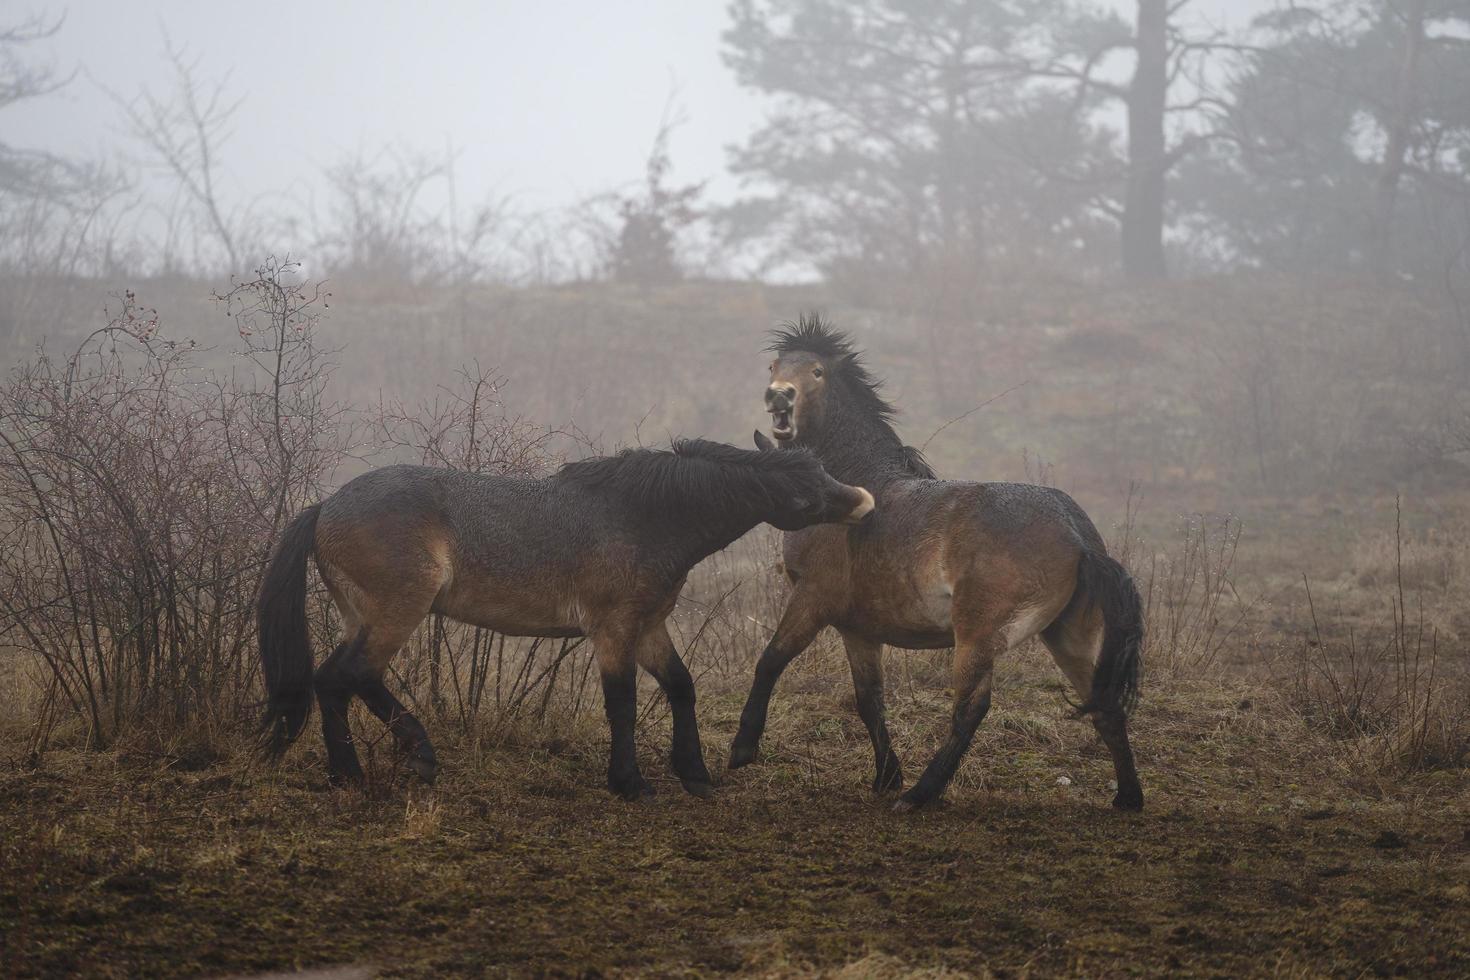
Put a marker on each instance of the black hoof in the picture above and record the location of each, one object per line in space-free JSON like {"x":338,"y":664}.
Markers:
{"x":914,"y":799}
{"x":1131,"y":799}
{"x":631,"y":790}
{"x":742,"y":755}
{"x":348,"y":779}
{"x":426,"y":768}
{"x":890,"y":780}
{"x":703,"y":790}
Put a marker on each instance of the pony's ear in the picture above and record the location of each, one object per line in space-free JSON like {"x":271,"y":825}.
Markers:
{"x":762,"y":443}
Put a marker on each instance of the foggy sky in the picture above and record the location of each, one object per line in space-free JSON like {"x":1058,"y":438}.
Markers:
{"x":546,"y":101}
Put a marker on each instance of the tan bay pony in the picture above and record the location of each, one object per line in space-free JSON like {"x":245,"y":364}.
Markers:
{"x":981,"y":567}
{"x":600,"y":549}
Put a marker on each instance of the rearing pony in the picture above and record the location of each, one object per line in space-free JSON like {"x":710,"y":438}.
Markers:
{"x":600,"y":549}
{"x":981,"y":567}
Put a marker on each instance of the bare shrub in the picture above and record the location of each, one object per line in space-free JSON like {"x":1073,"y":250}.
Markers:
{"x":138,"y":497}
{"x":467,"y":427}
{"x":1274,"y":380}
{"x":1386,"y":694}
{"x":1436,"y":560}
{"x":729,"y":611}
{"x":1192,"y":610}
{"x":382,"y":226}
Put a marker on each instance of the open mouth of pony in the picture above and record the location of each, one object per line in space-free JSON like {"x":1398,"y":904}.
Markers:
{"x":781,"y":425}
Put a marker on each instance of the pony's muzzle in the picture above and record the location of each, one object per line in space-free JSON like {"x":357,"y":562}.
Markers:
{"x":780,"y":401}
{"x":863,"y":511}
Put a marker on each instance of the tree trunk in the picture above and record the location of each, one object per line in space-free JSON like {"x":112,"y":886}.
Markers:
{"x":1400,"y":129}
{"x":1143,"y":204}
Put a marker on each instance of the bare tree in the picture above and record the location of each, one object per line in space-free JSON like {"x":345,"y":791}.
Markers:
{"x":19,"y":79}
{"x":1148,"y":157}
{"x":54,"y":212}
{"x":395,"y":215}
{"x":183,"y":134}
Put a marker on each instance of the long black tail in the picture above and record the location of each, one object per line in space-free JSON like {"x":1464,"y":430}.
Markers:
{"x":285,"y":644}
{"x":1115,"y":680}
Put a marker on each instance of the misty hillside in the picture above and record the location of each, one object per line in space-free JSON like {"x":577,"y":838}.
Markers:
{"x":1230,"y":388}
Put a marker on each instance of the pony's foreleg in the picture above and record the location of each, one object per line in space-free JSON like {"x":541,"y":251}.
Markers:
{"x":974,"y":664}
{"x":865,"y":659}
{"x":798,"y":627}
{"x":614,"y":650}
{"x":656,"y":654}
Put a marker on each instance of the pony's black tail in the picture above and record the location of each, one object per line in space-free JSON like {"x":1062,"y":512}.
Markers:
{"x":1116,"y":676}
{"x":285,"y":645}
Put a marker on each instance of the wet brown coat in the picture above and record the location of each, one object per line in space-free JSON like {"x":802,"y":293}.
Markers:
{"x":601,"y":550}
{"x":981,"y":567}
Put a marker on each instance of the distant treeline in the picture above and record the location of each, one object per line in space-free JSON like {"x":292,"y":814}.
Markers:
{"x":917,"y":146}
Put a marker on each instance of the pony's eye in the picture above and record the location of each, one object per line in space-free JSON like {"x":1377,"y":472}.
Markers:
{"x":816,"y":372}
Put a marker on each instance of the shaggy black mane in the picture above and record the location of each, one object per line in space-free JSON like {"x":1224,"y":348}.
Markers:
{"x":812,"y":335}
{"x":918,"y":463}
{"x":702,"y":480}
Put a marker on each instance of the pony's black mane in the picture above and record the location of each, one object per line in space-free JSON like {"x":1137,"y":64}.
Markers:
{"x":812,"y":335}
{"x":864,"y":448}
{"x":703,"y":481}
{"x":918,"y":463}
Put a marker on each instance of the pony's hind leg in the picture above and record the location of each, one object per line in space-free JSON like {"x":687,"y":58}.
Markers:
{"x":335,"y":685}
{"x":382,"y":644}
{"x":382,"y":622}
{"x":865,"y":659}
{"x":974,"y":663}
{"x":656,"y":654}
{"x":1075,"y":640}
{"x":407,"y":730}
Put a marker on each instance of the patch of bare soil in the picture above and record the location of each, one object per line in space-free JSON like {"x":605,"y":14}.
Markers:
{"x":1258,"y":853}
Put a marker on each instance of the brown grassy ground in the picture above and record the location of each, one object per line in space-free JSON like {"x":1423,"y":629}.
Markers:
{"x":1260,"y":853}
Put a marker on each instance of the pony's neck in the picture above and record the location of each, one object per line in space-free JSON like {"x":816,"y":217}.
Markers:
{"x":860,"y":449}
{"x":694,"y":545}
{"x":710,"y":529}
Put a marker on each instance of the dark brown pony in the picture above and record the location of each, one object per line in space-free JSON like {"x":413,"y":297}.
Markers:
{"x":981,"y":567}
{"x":601,"y":549}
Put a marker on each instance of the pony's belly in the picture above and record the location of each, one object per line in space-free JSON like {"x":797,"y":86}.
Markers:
{"x":518,"y":614}
{"x":916,"y":639}
{"x":915,"y":615}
